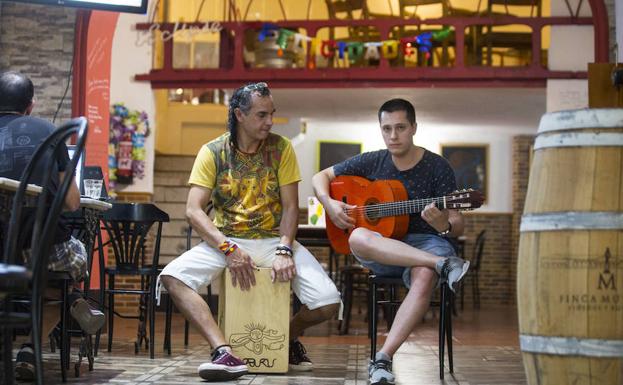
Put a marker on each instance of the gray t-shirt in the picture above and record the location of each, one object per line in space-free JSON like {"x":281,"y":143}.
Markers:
{"x":19,"y":138}
{"x":431,"y":177}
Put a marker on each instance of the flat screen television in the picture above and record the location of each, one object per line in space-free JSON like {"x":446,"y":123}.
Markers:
{"x":133,"y":6}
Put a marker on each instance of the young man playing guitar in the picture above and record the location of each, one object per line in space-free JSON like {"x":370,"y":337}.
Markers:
{"x":424,"y":255}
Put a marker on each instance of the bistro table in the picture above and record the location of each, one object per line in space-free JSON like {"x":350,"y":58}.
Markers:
{"x":8,"y":187}
{"x":85,"y":226}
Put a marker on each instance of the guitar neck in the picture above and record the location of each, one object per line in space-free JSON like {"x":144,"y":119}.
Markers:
{"x":392,"y":209}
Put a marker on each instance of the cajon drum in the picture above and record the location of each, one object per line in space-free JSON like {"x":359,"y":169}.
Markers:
{"x":256,"y":323}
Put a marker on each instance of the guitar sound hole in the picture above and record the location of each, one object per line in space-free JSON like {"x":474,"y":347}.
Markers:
{"x":370,"y":211}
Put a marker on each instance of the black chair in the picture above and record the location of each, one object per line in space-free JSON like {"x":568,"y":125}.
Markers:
{"x":474,"y":269}
{"x":390,"y":286}
{"x":128,"y":226}
{"x":44,"y":222}
{"x":353,"y":279}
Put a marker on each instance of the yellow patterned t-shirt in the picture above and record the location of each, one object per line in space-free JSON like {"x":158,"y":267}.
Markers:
{"x":245,"y":187}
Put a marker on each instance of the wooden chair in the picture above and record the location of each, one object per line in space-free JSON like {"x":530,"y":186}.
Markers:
{"x":355,"y":10}
{"x":509,"y":43}
{"x":44,"y":224}
{"x":408,"y":8}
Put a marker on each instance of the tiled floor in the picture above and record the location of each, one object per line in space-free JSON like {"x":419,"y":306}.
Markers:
{"x":485,"y":352}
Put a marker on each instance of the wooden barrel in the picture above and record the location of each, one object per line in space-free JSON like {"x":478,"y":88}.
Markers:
{"x":570,"y":264}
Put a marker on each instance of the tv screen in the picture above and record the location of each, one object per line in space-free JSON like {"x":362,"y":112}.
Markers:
{"x":133,"y":6}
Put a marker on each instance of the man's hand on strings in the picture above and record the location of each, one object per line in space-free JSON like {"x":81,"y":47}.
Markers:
{"x":341,"y":214}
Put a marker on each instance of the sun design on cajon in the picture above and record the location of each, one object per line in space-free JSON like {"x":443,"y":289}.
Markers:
{"x":257,"y":338}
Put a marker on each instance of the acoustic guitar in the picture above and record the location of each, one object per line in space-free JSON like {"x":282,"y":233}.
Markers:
{"x":383,"y":206}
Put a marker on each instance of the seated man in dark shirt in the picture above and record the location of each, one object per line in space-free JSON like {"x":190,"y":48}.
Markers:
{"x":424,"y":255}
{"x":20,"y":135}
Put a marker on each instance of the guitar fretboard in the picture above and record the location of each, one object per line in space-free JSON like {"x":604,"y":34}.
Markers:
{"x":389,"y":209}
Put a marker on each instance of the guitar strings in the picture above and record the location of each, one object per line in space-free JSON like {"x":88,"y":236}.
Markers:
{"x":391,"y":208}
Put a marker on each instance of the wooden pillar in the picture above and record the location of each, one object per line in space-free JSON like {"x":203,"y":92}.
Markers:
{"x":602,"y":93}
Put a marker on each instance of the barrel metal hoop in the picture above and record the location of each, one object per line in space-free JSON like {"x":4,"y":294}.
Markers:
{"x":581,"y":119}
{"x":579,"y":139}
{"x":570,"y":346}
{"x":572,"y":220}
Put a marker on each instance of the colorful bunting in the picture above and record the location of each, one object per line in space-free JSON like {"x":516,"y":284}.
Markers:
{"x":355,"y":50}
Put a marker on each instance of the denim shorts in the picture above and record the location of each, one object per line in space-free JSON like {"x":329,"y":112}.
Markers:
{"x":430,"y":243}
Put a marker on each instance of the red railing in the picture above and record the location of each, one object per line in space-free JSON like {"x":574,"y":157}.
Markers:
{"x":233,"y":71}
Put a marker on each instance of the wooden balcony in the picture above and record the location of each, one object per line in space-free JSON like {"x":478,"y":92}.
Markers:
{"x":467,"y":33}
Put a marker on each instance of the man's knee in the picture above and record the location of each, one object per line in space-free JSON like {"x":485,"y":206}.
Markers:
{"x":322,"y":313}
{"x":170,"y":283}
{"x":359,"y":241}
{"x":329,"y":311}
{"x":423,"y":280}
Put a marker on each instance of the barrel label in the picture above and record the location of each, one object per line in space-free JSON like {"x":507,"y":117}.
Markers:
{"x":603,"y":278}
{"x":606,"y":278}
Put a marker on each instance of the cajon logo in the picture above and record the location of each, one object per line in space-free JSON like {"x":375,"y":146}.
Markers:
{"x":253,"y":363}
{"x":257,"y":338}
{"x":606,"y":278}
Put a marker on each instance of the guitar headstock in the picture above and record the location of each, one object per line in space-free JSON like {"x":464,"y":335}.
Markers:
{"x":464,"y":200}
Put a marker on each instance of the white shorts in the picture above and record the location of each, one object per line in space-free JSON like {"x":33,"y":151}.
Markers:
{"x":202,"y":264}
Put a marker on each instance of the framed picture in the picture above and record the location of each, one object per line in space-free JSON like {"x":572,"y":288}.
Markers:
{"x":331,"y":153}
{"x":470,"y":163}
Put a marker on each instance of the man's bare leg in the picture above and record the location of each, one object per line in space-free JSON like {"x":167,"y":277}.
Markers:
{"x":306,"y":318}
{"x":412,"y":310}
{"x":410,"y":313}
{"x":387,"y":251}
{"x":194,"y":309}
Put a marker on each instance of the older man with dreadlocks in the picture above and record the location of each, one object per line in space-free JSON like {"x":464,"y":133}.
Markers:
{"x":253,"y":227}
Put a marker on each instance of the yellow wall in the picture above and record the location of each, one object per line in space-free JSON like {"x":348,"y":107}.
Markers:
{"x":184,"y":128}
{"x":270,"y":10}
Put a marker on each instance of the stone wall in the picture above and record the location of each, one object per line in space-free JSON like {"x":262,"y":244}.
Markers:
{"x":170,"y":193}
{"x":38,"y":41}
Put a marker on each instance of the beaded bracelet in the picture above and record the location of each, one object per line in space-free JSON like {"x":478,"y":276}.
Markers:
{"x":284,"y":250}
{"x":227,"y":247}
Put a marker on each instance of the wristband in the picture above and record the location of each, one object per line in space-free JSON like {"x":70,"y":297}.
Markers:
{"x":284,"y":250}
{"x":444,"y":233}
{"x":227,"y":247}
